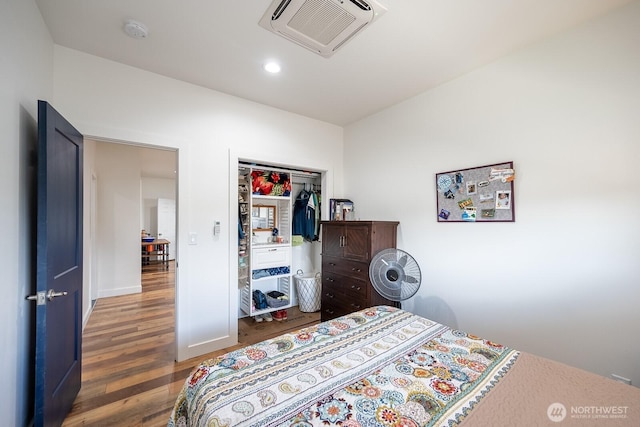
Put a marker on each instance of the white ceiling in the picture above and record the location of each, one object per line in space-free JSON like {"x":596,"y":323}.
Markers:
{"x":414,"y":46}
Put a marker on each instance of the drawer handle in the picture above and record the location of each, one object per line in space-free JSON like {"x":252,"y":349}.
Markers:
{"x":357,"y":288}
{"x":328,"y":295}
{"x":273,"y":250}
{"x":332,"y":264}
{"x":356,"y":306}
{"x":329,"y":279}
{"x":356,"y":269}
{"x":329,"y":311}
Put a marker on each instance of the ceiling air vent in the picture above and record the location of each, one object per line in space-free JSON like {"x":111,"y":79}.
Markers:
{"x":322,"y":26}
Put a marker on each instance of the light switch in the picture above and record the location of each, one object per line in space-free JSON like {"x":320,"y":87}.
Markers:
{"x":193,"y":238}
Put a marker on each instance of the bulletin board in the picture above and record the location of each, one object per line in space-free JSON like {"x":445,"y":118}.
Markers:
{"x":480,"y":194}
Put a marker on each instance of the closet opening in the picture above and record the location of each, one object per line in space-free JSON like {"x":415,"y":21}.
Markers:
{"x":279,"y":251}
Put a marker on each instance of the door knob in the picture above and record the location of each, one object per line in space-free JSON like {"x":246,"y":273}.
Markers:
{"x":52,"y":294}
{"x":40,"y":297}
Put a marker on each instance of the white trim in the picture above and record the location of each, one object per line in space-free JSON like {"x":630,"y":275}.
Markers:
{"x":293,"y":172}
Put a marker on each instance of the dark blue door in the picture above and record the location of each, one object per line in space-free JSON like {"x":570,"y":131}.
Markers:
{"x":59,"y":267}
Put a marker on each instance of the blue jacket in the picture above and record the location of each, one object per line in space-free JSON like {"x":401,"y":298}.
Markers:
{"x":304,"y":220}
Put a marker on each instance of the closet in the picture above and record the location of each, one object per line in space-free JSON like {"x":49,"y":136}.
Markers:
{"x":271,"y":244}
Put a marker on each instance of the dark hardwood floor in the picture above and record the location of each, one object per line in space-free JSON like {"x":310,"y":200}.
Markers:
{"x":129,"y":373}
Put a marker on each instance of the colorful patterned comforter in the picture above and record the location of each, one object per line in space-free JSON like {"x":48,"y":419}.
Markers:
{"x":377,"y":367}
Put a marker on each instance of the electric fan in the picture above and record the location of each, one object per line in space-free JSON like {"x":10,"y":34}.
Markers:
{"x":395,"y":274}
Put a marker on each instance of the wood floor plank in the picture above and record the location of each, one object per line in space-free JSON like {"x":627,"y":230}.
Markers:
{"x":129,"y":373}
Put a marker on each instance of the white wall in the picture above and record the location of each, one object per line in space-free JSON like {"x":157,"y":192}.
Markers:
{"x":563,"y":280}
{"x":210,"y":131}
{"x":26,"y":75}
{"x":118,"y":230}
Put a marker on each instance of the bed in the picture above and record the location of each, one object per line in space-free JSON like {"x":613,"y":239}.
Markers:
{"x":384,"y":366}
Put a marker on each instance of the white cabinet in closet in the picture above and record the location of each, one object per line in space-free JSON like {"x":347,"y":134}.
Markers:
{"x":269,"y":262}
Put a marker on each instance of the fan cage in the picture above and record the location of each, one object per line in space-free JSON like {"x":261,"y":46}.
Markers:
{"x":395,"y":274}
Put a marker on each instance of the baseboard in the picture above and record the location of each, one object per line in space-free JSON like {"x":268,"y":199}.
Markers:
{"x":87,"y":314}
{"x":106,"y":293}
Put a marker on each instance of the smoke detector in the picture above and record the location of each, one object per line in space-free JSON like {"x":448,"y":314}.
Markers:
{"x":135,"y":29}
{"x":322,"y":26}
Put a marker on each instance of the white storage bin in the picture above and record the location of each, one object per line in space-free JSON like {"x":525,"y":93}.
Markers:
{"x":309,"y":291}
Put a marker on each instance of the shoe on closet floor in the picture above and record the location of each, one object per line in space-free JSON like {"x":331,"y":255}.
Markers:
{"x":267,"y":317}
{"x":280,"y":315}
{"x":258,"y":318}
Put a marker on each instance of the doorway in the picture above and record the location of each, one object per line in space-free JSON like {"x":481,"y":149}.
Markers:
{"x":126,"y":182}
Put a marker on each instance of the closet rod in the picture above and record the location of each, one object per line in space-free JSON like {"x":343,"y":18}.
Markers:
{"x":297,"y":172}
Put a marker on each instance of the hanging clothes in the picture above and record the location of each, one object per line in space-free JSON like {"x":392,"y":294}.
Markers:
{"x":316,"y":229}
{"x":240,"y":231}
{"x":304,"y":215}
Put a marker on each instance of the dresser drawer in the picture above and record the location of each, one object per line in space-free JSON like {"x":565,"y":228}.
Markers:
{"x":331,"y":310}
{"x":355,"y":269}
{"x":270,"y":257}
{"x":328,"y":312}
{"x":335,"y":303}
{"x":349,"y":287}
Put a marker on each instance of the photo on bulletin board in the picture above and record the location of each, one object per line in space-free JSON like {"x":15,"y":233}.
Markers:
{"x":480,"y":194}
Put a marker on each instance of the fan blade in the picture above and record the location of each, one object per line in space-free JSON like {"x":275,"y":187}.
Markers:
{"x":403,"y":261}
{"x":394,"y":286}
{"x":410,"y":279}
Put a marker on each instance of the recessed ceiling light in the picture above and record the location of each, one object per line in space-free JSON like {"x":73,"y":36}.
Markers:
{"x":135,"y":29}
{"x":272,"y":67}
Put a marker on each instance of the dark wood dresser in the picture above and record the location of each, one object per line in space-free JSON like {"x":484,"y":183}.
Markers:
{"x":347,"y":249}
